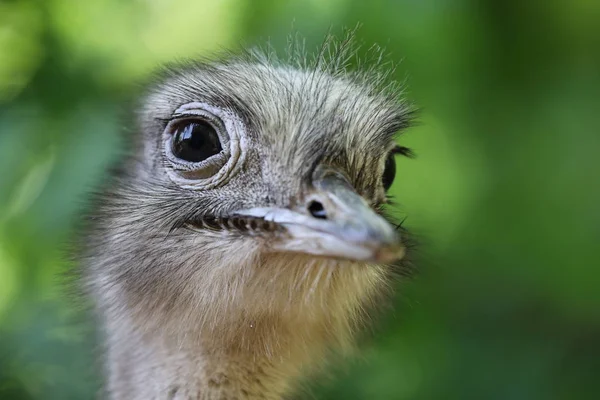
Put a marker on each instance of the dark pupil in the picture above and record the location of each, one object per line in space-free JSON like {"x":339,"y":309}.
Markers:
{"x":196,"y":141}
{"x":389,"y":172}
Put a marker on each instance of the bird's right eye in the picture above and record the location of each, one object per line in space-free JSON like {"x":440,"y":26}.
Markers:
{"x":195,"y":141}
{"x":389,"y":172}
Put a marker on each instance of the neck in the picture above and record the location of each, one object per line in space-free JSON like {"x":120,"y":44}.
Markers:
{"x":244,"y":344}
{"x":263,"y":363}
{"x":155,"y":368}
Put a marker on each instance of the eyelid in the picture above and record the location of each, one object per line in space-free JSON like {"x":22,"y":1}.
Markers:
{"x":175,"y":119}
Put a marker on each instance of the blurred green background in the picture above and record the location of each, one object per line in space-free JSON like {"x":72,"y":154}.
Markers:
{"x":504,"y":194}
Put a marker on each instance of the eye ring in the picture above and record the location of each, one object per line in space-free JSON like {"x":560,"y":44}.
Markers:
{"x":216,"y":168}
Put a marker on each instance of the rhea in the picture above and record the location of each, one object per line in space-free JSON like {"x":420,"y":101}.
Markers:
{"x":243,"y":236}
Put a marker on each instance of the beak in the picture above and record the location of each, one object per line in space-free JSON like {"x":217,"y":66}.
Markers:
{"x":334,"y":221}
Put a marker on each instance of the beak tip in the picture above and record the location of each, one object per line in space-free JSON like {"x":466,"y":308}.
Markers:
{"x":390,"y":253}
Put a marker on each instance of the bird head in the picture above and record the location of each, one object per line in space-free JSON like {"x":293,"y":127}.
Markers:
{"x":295,"y":161}
{"x":252,"y":184}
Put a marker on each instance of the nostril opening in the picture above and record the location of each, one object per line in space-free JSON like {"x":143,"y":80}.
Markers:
{"x":317,"y":210}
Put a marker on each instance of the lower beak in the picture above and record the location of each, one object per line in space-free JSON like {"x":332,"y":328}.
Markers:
{"x":334,"y":221}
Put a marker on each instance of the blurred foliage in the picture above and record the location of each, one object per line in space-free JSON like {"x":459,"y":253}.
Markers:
{"x":505,"y":192}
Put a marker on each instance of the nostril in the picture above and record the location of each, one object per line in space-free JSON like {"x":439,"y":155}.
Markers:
{"x":317,"y":210}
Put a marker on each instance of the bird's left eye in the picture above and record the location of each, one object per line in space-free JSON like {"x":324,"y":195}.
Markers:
{"x":195,"y":141}
{"x":389,"y":172}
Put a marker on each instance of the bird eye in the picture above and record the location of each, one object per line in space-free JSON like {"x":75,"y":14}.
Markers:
{"x":195,"y":141}
{"x":389,"y":172}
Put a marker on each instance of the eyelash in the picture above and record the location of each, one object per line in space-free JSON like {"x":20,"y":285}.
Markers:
{"x":403,"y":151}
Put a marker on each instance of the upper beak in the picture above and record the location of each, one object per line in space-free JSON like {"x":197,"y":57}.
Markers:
{"x":334,"y":221}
